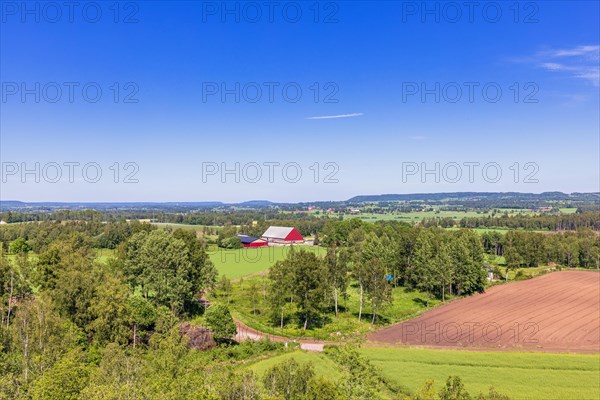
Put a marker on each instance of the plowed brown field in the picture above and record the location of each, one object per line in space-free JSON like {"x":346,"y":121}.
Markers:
{"x":555,"y":312}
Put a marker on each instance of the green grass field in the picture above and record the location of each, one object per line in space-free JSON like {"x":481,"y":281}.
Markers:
{"x":187,"y":227}
{"x":417,"y":216}
{"x":237,"y":263}
{"x":323,"y":365}
{"x":518,"y":375}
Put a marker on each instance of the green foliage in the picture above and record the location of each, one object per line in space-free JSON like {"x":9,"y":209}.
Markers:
{"x":142,"y":315}
{"x":361,"y":380}
{"x":19,"y":246}
{"x":203,"y":272}
{"x":454,"y":390}
{"x":426,"y":392}
{"x":64,"y":380}
{"x":238,"y":386}
{"x":232,"y":242}
{"x":301,"y":279}
{"x":117,"y":376}
{"x":220,"y":322}
{"x":168,"y":268}
{"x":289,"y":379}
{"x":109,"y":309}
{"x":223,"y":287}
{"x":371,"y":270}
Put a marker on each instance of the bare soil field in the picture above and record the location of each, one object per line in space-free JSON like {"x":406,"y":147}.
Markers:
{"x":557,"y":312}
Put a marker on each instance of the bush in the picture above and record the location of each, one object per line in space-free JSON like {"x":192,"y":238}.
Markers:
{"x":231,"y":243}
{"x":220,"y":322}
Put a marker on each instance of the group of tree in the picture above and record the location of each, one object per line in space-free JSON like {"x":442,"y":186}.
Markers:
{"x":454,"y":389}
{"x":39,"y":235}
{"x":59,"y":306}
{"x":569,"y":249}
{"x":375,"y":258}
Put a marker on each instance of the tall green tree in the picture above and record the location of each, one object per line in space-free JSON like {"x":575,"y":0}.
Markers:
{"x":220,"y":322}
{"x":337,"y":275}
{"x":302,"y":275}
{"x":289,"y":379}
{"x":162,"y":266}
{"x":203,"y":273}
{"x":373,"y":272}
{"x":466,"y":252}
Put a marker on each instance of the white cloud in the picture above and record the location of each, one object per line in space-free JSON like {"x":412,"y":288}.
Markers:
{"x":580,"y":61}
{"x":336,"y":116}
{"x":555,"y":67}
{"x":574,"y":52}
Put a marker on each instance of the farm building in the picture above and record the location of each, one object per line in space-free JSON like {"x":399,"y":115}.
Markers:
{"x":282,"y":235}
{"x":248,"y":241}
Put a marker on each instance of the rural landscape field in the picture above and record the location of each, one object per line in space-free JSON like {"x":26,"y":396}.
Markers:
{"x":299,"y":200}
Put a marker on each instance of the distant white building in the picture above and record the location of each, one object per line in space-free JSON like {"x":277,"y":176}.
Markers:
{"x":3,"y":222}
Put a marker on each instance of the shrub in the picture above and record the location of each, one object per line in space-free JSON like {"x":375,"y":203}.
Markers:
{"x":220,"y":322}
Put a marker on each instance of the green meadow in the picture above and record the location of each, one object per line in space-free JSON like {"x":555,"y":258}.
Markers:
{"x":322,"y":364}
{"x":236,"y":263}
{"x":187,"y":227}
{"x":520,"y":375}
{"x":417,"y":216}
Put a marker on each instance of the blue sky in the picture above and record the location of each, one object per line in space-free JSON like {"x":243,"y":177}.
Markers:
{"x":162,"y":69}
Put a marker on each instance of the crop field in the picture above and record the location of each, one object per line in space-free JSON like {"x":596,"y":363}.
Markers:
{"x":554,"y":312}
{"x":520,"y":375}
{"x":565,"y":376}
{"x":187,"y":227}
{"x":417,"y":216}
{"x":236,"y":263}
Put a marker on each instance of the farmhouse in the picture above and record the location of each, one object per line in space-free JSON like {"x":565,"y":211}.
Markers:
{"x":282,"y":235}
{"x":248,"y":241}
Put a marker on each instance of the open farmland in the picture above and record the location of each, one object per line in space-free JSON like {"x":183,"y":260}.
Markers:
{"x":555,"y":312}
{"x":236,"y":263}
{"x":520,"y":375}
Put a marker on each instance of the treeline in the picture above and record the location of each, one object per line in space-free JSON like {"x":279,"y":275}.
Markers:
{"x":434,"y":260}
{"x":40,"y":235}
{"x":545,"y":222}
{"x":59,"y":215}
{"x":531,"y":249}
{"x":569,"y":249}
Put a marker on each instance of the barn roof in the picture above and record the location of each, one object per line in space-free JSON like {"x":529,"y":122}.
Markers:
{"x":278,"y":232}
{"x":246,"y":239}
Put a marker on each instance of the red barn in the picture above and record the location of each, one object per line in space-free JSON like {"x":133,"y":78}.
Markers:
{"x":282,"y":235}
{"x":248,"y":241}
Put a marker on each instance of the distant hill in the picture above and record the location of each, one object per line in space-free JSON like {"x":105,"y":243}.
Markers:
{"x":546,"y":196}
{"x":472,"y":199}
{"x":11,"y":203}
{"x":254,"y":203}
